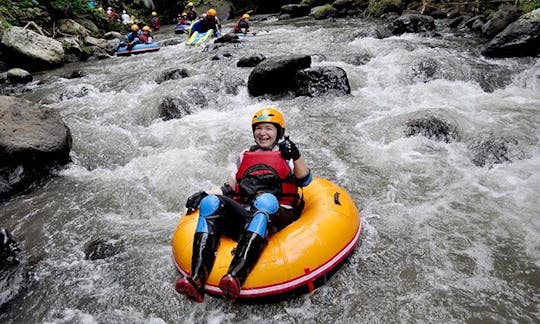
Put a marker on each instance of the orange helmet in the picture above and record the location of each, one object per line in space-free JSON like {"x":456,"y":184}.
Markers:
{"x":269,"y":115}
{"x":134,"y":27}
{"x":211,"y":12}
{"x":146,"y":28}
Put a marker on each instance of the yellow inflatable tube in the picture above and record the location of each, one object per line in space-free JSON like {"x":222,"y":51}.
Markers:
{"x":325,"y":234}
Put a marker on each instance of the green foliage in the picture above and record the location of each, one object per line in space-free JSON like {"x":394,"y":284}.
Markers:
{"x":70,"y":8}
{"x":529,"y":5}
{"x":378,"y":7}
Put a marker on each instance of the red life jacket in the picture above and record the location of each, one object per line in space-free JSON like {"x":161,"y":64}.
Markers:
{"x":241,"y":23}
{"x":265,"y":171}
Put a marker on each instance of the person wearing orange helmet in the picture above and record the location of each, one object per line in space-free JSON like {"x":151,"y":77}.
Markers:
{"x":190,"y":11}
{"x":146,"y":37}
{"x":133,"y":37}
{"x":260,"y":198}
{"x":209,"y":21}
{"x":242,"y":25}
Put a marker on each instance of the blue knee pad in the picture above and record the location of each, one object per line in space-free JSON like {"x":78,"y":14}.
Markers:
{"x":265,"y":205}
{"x":208,"y":207}
{"x":258,"y":224}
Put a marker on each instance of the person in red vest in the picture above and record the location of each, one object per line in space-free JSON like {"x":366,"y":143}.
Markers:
{"x":146,"y":36}
{"x":242,"y":25}
{"x":260,"y":198}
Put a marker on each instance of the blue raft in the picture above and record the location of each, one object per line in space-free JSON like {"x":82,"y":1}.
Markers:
{"x":181,"y":29}
{"x":137,"y":49}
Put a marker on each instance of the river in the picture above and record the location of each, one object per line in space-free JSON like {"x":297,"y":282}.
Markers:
{"x":444,"y":239}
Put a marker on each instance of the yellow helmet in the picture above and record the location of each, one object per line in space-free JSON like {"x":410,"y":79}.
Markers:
{"x":190,"y":4}
{"x":183,"y":14}
{"x":269,"y":115}
{"x":154,"y":13}
{"x":134,"y":27}
{"x":146,"y":28}
{"x":244,"y":16}
{"x":211,"y":12}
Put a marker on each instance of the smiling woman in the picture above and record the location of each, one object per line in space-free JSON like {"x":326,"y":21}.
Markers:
{"x":260,"y":198}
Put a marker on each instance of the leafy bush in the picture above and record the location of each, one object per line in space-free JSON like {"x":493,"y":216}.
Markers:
{"x":377,"y":8}
{"x":529,"y":5}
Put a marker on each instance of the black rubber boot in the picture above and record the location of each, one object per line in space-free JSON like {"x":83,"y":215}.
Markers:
{"x":247,"y":253}
{"x":204,"y":255}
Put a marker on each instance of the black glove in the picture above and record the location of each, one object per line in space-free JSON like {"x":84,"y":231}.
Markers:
{"x":289,"y":150}
{"x":192,"y":203}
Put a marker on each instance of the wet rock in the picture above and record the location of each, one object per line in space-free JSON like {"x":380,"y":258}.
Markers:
{"x":474,"y":21}
{"x":456,"y":22}
{"x":433,"y":128}
{"x":277,"y":74}
{"x":171,"y":42}
{"x":102,"y":249}
{"x":295,"y":10}
{"x":75,"y":75}
{"x":174,"y":108}
{"x":379,"y":32}
{"x":73,"y":49}
{"x":228,"y":38}
{"x":435,"y":13}
{"x":92,"y":41}
{"x":173,"y":74}
{"x":322,"y":81}
{"x":71,"y":27}
{"x":221,"y":56}
{"x":113,"y":35}
{"x":500,"y":20}
{"x":111,"y":46}
{"x":412,"y":23}
{"x":453,"y":13}
{"x":250,"y":60}
{"x":490,"y":149}
{"x":521,"y":38}
{"x":74,"y":92}
{"x":33,"y":141}
{"x":323,"y":12}
{"x":9,"y":250}
{"x":31,"y":50}
{"x":425,"y":70}
{"x":17,"y":75}
{"x":14,"y":271}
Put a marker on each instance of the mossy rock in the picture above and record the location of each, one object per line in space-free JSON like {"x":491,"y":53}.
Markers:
{"x":377,"y":8}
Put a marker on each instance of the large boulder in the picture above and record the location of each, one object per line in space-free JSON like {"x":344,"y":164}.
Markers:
{"x":295,"y":10}
{"x":500,"y":20}
{"x":17,"y":75}
{"x":322,"y":81}
{"x":30,"y":49}
{"x":323,"y":12}
{"x":71,"y":27}
{"x":33,"y":140}
{"x":521,"y":38}
{"x":277,"y":74}
{"x":412,"y":23}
